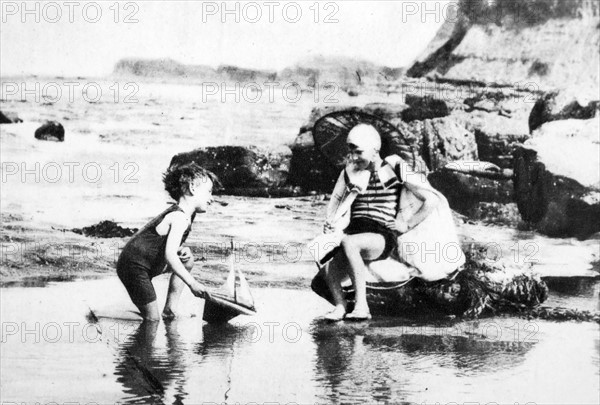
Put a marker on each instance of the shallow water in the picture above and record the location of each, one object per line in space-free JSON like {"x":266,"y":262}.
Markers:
{"x":53,"y":351}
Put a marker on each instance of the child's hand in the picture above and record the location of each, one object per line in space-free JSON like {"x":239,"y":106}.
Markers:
{"x":401,"y":227}
{"x":185,"y":254}
{"x":199,"y":290}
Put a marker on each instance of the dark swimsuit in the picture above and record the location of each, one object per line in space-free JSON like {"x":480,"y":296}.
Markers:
{"x":143,"y":258}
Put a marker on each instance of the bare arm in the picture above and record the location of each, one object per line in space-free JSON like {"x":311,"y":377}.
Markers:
{"x":177,"y":228}
{"x":430,"y":202}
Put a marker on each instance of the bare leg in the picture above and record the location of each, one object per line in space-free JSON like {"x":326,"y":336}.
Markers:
{"x":334,"y":274}
{"x":176,"y":286}
{"x":358,"y":249}
{"x":150,"y":312}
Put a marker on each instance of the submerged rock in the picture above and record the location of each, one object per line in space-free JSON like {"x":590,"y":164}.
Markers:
{"x":557,"y":187}
{"x":51,"y":131}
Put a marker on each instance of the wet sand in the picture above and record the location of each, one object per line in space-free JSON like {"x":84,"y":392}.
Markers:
{"x":283,"y":354}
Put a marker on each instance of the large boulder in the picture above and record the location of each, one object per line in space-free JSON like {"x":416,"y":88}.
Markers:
{"x":444,"y":140}
{"x":244,"y":170}
{"x":557,"y":186}
{"x":496,"y":135}
{"x":465,"y":190}
{"x":422,"y":107}
{"x":563,"y":105}
{"x":50,"y":131}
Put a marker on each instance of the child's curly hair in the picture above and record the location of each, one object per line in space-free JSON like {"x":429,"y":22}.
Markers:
{"x":179,"y":178}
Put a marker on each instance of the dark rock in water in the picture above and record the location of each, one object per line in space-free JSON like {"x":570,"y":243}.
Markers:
{"x":105,"y":229}
{"x":465,"y":191}
{"x":557,"y":188}
{"x":481,"y":288}
{"x":309,"y":169}
{"x":9,"y":118}
{"x":51,"y":131}
{"x":556,"y":106}
{"x":244,"y":170}
{"x":575,"y":286}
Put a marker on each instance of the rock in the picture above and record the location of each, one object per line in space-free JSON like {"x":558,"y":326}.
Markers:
{"x":465,"y":191}
{"x":9,"y":118}
{"x":496,"y":136}
{"x":105,"y":229}
{"x":309,"y":168}
{"x":387,"y":111}
{"x":426,"y":107}
{"x":244,"y":170}
{"x":557,"y":187}
{"x":51,"y":131}
{"x":482,"y":288}
{"x":563,"y":105}
{"x":444,"y":140}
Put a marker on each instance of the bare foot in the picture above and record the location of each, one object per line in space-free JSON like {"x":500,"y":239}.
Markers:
{"x":336,"y":315}
{"x":359,"y":314}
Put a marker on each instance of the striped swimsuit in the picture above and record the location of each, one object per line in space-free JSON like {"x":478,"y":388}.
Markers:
{"x":377,"y":203}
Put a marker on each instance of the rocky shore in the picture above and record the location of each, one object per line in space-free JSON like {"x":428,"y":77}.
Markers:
{"x":521,"y":158}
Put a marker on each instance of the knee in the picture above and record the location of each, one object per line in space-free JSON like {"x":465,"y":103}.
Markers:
{"x":150,"y":312}
{"x":348,"y":244}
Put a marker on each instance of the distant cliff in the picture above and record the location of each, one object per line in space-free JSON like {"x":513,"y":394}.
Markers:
{"x":551,"y":43}
{"x":169,"y":69}
{"x":347,"y":72}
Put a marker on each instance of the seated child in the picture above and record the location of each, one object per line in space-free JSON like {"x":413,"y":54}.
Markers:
{"x":158,"y":244}
{"x":365,"y":205}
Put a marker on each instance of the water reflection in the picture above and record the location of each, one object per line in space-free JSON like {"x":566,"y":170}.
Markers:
{"x":379,"y":364}
{"x":154,"y":361}
{"x":145,"y":370}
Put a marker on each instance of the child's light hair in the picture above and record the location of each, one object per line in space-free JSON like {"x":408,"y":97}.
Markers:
{"x":178,"y":179}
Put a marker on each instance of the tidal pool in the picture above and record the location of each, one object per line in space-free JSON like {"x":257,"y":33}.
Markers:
{"x":53,"y":351}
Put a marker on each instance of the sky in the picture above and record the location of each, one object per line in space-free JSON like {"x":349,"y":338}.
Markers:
{"x":88,"y":38}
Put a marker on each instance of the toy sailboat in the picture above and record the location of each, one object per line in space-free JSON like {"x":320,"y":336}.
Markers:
{"x":232,"y":299}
